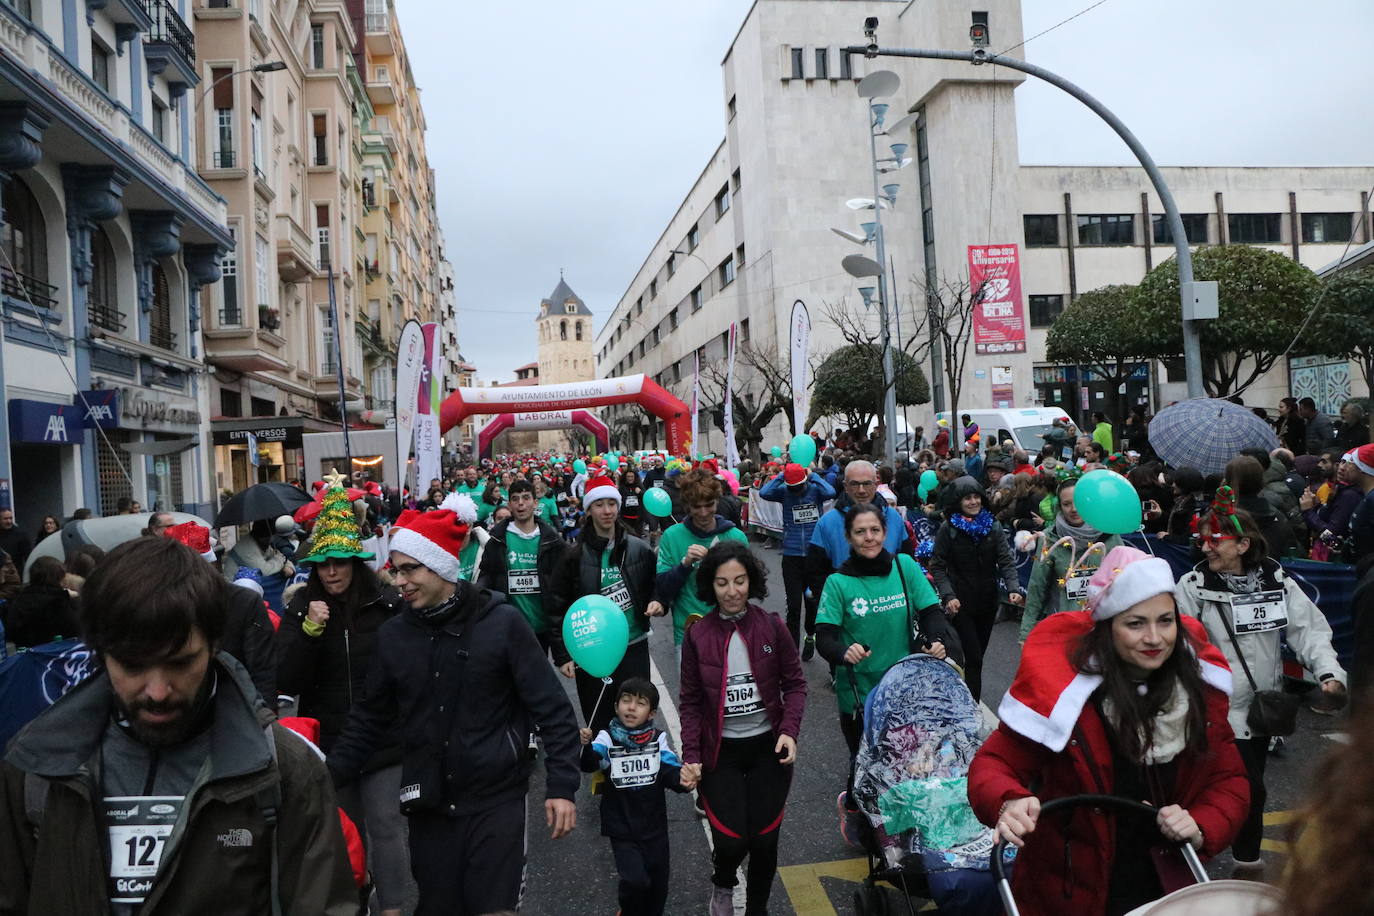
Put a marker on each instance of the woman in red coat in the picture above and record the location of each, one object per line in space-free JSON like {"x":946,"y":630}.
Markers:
{"x":1126,"y":698}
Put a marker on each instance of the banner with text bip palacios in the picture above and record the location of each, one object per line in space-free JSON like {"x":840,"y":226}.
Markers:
{"x":410,"y":361}
{"x":428,"y":441}
{"x":999,"y":317}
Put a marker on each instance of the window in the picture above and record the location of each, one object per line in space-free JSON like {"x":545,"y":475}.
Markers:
{"x":722,"y":201}
{"x":24,"y":236}
{"x":822,"y":63}
{"x":1327,"y":227}
{"x":160,"y":122}
{"x":570,"y":309}
{"x":230,"y":403}
{"x":322,"y":236}
{"x":1194,"y":228}
{"x":641,"y":348}
{"x":1042,"y":229}
{"x":744,"y":331}
{"x":798,"y":61}
{"x":255,"y":140}
{"x":1175,"y":370}
{"x":846,"y":66}
{"x":653,"y":291}
{"x":693,"y":238}
{"x":653,"y":338}
{"x":1254,"y":228}
{"x":1106,"y":229}
{"x":739,"y":256}
{"x":261,"y":407}
{"x":672,"y":264}
{"x":696,"y":299}
{"x":321,"y":134}
{"x":730,"y":109}
{"x":725,"y":273}
{"x":262,"y":277}
{"x":160,"y":315}
{"x":102,"y":295}
{"x":230,"y":311}
{"x":1044,"y":309}
{"x":578,"y":330}
{"x":327,"y":364}
{"x":639,"y":306}
{"x":317,"y":46}
{"x":100,"y":64}
{"x":672,"y":320}
{"x":563,"y":329}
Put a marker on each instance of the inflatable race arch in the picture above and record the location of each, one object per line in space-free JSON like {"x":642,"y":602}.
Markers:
{"x":629,"y":389}
{"x":542,"y":419}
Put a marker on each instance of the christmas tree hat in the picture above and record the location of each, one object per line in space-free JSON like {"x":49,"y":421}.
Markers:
{"x":336,"y":527}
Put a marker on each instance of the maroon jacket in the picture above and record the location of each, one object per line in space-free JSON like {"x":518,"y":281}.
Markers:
{"x":777,"y":672}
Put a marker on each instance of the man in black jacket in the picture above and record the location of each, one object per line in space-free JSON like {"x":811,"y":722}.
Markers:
{"x":462,"y":672}
{"x":522,"y":562}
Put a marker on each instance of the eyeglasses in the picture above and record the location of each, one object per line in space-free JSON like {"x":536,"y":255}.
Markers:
{"x":1215,"y":537}
{"x":861,"y":483}
{"x":409,"y":569}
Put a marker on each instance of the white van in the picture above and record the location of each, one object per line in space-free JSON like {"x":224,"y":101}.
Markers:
{"x":1023,"y":425}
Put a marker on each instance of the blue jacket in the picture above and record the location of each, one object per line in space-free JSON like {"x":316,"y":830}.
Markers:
{"x":813,"y":491}
{"x":973,"y":466}
{"x":829,"y":548}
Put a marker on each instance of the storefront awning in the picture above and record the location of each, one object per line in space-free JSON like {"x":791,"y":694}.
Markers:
{"x":164,"y":447}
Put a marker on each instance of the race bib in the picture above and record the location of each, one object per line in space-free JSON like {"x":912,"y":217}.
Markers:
{"x":634,"y":767}
{"x":1077,"y":587}
{"x":658,"y":484}
{"x":742,"y":695}
{"x":631,"y":502}
{"x":524,"y":583}
{"x":1258,"y":612}
{"x":805,"y":513}
{"x":620,"y":595}
{"x":138,"y":828}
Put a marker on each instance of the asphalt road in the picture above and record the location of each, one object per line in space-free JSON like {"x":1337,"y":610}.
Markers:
{"x":818,"y":872}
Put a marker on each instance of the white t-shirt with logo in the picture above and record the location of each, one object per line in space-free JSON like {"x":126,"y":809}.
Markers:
{"x":745,"y":714}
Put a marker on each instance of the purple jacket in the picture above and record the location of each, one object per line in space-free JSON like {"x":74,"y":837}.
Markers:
{"x":777,"y":672}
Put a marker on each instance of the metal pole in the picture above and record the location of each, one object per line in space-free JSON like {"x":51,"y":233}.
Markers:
{"x":339,"y":369}
{"x":889,"y":384}
{"x":1192,"y":349}
{"x":897,"y":321}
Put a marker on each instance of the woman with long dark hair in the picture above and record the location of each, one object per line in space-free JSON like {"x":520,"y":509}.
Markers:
{"x":1126,"y":698}
{"x":1291,"y":427}
{"x":50,"y":525}
{"x":1248,"y":603}
{"x":43,"y":610}
{"x":632,"y":501}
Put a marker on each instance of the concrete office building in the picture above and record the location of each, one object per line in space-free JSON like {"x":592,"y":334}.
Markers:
{"x":754,"y":228}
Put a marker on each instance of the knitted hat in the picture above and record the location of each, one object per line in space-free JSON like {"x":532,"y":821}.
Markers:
{"x":1362,"y":458}
{"x":249,"y":578}
{"x":435,"y":538}
{"x":600,"y":487}
{"x":1127,"y":577}
{"x":794,"y":475}
{"x":194,"y":536}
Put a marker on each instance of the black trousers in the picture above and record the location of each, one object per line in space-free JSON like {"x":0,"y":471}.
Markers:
{"x":643,"y":868}
{"x":598,"y":715}
{"x":852,"y":728}
{"x":973,"y":624}
{"x":794,"y":583}
{"x":469,"y":865}
{"x":1254,"y":753}
{"x":744,"y":796}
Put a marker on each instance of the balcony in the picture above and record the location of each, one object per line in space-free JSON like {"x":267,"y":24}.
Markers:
{"x":170,"y":47}
{"x":378,"y":31}
{"x":295,"y":253}
{"x":231,"y":317}
{"x":380,"y":90}
{"x":133,"y":14}
{"x":27,"y":290}
{"x":105,"y":316}
{"x":222,"y":159}
{"x":381,"y":124}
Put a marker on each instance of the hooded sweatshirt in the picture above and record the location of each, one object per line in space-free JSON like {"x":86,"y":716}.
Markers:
{"x":674,"y":588}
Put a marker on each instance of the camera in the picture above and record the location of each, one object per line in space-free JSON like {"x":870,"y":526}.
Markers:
{"x":871,"y":33}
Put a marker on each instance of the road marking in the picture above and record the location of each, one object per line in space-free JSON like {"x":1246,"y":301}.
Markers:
{"x":808,"y":895}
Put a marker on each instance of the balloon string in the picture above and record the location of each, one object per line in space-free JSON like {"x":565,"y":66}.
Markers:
{"x":605,"y":682}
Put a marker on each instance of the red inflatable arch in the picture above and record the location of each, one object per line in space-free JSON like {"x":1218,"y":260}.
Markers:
{"x":545,"y":419}
{"x":637,"y":389}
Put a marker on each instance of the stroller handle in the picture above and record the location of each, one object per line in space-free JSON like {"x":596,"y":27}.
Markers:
{"x":1078,"y":801}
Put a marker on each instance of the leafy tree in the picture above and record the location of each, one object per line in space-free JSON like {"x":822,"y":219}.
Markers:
{"x":1344,"y":325}
{"x":1102,"y":332}
{"x":850,"y":383}
{"x":1264,"y":298}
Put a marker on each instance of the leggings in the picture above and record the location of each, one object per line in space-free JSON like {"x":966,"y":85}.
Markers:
{"x":794,"y":583}
{"x":973,"y":624}
{"x":373,"y":803}
{"x":744,"y":795}
{"x":634,"y":664}
{"x":1254,"y":752}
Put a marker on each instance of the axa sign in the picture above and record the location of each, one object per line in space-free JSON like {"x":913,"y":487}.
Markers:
{"x":43,"y":423}
{"x":98,"y":407}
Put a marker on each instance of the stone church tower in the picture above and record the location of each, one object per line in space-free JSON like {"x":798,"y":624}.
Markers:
{"x":565,"y":348}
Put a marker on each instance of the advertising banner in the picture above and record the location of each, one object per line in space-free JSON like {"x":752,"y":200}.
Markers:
{"x":801,"y":346}
{"x":410,"y":361}
{"x":544,"y":419}
{"x":999,"y":316}
{"x":428,"y":441}
{"x":694,"y":446}
{"x":731,"y":449}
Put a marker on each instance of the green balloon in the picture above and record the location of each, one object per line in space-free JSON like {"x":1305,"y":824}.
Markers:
{"x":1108,"y":502}
{"x":777,"y":451}
{"x":596,"y":634}
{"x":922,"y":492}
{"x":802,"y":448}
{"x":929,"y":481}
{"x":658,"y":502}
{"x":579,"y":466}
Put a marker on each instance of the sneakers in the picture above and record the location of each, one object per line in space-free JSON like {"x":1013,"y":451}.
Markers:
{"x":850,"y":827}
{"x":700,"y":807}
{"x":808,"y":648}
{"x":722,"y":902}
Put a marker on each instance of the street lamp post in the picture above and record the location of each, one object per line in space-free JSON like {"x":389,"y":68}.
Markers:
{"x":270,"y":66}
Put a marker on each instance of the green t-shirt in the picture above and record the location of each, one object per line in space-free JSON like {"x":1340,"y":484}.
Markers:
{"x":613,"y":587}
{"x":873,"y":612}
{"x":672,"y":547}
{"x":467,"y":560}
{"x":474,"y":492}
{"x":522,"y":580}
{"x":546,"y":508}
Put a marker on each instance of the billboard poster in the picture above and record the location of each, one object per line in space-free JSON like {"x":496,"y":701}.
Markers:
{"x":999,"y":317}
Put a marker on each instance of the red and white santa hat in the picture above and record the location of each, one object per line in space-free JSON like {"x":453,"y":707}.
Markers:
{"x":1362,"y":458}
{"x":600,"y":487}
{"x":194,"y":536}
{"x":435,"y":538}
{"x":1127,"y":577}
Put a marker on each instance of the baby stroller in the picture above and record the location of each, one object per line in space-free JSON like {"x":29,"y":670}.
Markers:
{"x":921,"y":730}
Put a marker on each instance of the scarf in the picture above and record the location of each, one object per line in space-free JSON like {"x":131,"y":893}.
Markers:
{"x":627,"y":737}
{"x":1082,"y":535}
{"x":445,"y":610}
{"x":1246,"y":583}
{"x":977,"y":527}
{"x":1170,"y":731}
{"x":856,"y":565}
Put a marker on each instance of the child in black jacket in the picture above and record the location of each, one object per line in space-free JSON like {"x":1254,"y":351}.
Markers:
{"x":638,"y":765}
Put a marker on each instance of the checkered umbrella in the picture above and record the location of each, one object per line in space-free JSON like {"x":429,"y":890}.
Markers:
{"x":1205,"y":433}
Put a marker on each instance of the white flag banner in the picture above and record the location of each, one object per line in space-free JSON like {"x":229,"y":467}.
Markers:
{"x":801,"y":345}
{"x":731,"y":449}
{"x":410,"y":360}
{"x":428,"y":441}
{"x":695,"y":448}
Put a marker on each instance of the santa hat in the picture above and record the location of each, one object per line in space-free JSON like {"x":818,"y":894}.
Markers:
{"x":1362,"y":458}
{"x":1127,"y":577}
{"x":1048,"y":693}
{"x":435,"y":538}
{"x":194,"y":536}
{"x":794,"y":475}
{"x":248,"y":578}
{"x":600,"y":487}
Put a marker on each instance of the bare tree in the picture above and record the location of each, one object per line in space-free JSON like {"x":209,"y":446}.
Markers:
{"x":762,"y":390}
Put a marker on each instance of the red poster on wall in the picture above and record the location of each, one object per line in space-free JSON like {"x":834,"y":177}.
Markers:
{"x":999,"y":318}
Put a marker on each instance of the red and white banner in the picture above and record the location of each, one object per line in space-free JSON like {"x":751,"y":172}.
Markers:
{"x":999,"y":317}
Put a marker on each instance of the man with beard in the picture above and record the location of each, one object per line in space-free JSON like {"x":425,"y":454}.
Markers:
{"x":160,"y":784}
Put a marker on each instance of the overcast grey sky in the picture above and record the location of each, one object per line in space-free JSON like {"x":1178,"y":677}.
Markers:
{"x":565,"y":135}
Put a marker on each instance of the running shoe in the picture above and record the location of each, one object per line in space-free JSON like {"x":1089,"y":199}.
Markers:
{"x":850,"y":827}
{"x":808,"y":648}
{"x":699,"y":805}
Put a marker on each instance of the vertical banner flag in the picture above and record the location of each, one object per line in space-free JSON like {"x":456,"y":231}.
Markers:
{"x":801,"y":344}
{"x":410,"y":355}
{"x":694,"y":447}
{"x":253,"y":450}
{"x":728,"y":409}
{"x":427,"y":439}
{"x":999,"y":318}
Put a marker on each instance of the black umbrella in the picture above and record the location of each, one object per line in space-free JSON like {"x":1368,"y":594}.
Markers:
{"x":263,"y":500}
